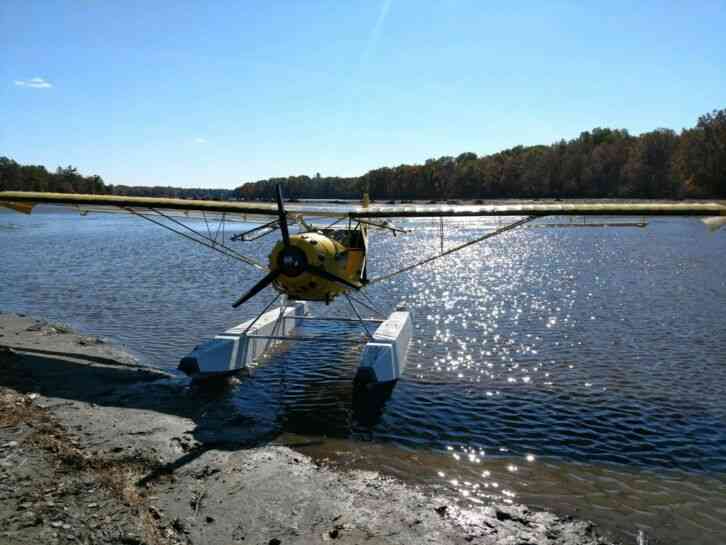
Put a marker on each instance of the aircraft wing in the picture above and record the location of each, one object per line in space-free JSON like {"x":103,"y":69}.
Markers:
{"x":625,"y":208}
{"x":252,"y":211}
{"x":24,"y":201}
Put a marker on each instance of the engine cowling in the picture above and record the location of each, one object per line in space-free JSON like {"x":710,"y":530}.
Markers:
{"x":314,"y":249}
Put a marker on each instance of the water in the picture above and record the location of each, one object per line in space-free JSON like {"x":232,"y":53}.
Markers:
{"x":580,"y":370}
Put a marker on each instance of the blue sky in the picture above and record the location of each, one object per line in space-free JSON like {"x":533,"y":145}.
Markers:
{"x":216,"y":94}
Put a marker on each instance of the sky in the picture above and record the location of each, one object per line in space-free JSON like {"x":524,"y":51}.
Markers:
{"x":216,"y":94}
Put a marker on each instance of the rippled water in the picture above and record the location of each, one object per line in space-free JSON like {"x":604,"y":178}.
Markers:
{"x":582,"y":370}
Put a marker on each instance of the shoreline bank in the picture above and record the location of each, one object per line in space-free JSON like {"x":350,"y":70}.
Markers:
{"x":96,"y":449}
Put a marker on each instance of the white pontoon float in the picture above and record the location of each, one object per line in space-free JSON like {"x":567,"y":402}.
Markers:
{"x":383,"y":358}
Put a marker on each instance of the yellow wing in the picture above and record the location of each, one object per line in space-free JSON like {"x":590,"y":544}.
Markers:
{"x":624,"y":208}
{"x":251,"y":211}
{"x":24,"y":201}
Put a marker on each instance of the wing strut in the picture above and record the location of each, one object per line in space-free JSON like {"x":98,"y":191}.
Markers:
{"x":499,"y":231}
{"x":204,"y":241}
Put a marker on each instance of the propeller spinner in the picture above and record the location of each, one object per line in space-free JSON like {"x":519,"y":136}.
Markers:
{"x":305,"y":266}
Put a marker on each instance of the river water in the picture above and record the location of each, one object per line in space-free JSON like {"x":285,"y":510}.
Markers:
{"x":577,"y":370}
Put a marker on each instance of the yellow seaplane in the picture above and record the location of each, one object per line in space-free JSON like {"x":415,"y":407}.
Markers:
{"x":327,"y":258}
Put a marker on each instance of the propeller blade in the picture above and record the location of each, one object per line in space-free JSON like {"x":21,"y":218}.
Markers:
{"x":322,"y":273}
{"x":262,"y":284}
{"x":283,"y":217}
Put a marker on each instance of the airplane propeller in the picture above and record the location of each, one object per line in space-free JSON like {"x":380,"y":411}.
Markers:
{"x":283,"y":217}
{"x":291,"y":261}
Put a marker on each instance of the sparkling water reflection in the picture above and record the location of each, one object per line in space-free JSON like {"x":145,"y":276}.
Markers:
{"x":569,"y":368}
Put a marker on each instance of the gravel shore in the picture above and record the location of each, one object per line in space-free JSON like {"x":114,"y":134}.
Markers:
{"x":96,"y":449}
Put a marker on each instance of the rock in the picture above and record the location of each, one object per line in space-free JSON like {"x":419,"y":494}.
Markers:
{"x":504,"y":516}
{"x":59,"y":328}
{"x":206,"y":471}
{"x":180,"y":526}
{"x":274,"y":541}
{"x":155,"y":512}
{"x":442,"y":510}
{"x":209,"y":519}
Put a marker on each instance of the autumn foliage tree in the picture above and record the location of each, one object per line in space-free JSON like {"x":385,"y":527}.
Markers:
{"x":601,"y":163}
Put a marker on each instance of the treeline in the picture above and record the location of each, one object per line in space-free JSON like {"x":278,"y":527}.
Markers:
{"x":598,"y":164}
{"x":16,"y":177}
{"x":174,"y":192}
{"x":296,"y":187}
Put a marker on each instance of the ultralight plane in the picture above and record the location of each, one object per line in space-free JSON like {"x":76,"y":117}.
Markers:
{"x":327,"y":258}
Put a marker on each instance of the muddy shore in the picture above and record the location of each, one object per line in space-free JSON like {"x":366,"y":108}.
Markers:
{"x":95,"y":448}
